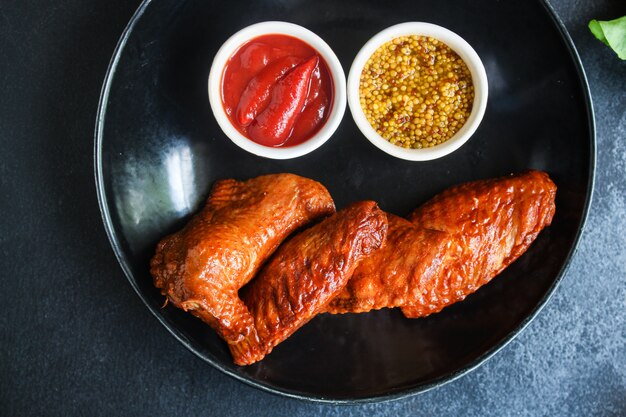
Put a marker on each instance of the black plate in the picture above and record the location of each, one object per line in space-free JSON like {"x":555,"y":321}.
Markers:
{"x":159,"y":149}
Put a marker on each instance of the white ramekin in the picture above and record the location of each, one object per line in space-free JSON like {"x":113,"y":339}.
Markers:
{"x":461,"y":47}
{"x":229,"y":48}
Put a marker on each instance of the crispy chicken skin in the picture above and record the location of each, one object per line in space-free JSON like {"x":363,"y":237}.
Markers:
{"x":459,"y":241}
{"x":491,"y":223}
{"x":395,"y":275}
{"x":201,"y":267}
{"x":306,"y":273}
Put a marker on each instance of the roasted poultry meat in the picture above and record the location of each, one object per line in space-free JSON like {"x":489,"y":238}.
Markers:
{"x":491,"y":223}
{"x":306,"y":273}
{"x":201,"y":267}
{"x":453,"y":244}
{"x":357,"y":260}
{"x":395,"y":275}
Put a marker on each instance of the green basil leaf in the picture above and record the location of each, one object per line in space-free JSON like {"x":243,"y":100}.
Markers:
{"x":612,"y":33}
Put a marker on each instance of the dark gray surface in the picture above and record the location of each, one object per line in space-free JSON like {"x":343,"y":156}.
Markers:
{"x":76,"y":340}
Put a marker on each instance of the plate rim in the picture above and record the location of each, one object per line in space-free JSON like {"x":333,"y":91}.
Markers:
{"x":392,"y":394}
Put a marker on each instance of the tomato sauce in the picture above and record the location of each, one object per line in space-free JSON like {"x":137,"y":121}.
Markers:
{"x":277,"y":90}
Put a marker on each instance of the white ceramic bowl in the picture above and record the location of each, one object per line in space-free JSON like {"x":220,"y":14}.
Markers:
{"x":229,"y":48}
{"x":456,"y":43}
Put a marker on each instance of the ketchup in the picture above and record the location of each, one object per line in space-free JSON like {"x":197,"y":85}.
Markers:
{"x":277,"y":90}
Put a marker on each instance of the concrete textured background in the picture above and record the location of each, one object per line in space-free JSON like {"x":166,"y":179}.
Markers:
{"x":111,"y":357}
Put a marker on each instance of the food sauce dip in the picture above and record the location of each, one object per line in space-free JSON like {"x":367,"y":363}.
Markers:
{"x":277,"y":90}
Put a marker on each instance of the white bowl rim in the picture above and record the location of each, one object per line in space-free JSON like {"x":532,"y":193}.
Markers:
{"x":456,"y":43}
{"x":267,"y":28}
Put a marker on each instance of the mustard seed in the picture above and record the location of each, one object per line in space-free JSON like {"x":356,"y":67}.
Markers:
{"x":431,"y":88}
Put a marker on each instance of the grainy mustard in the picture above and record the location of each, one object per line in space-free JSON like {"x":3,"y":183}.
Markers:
{"x":416,"y":91}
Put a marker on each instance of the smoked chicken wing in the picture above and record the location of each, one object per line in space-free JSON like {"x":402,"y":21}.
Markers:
{"x":306,"y":273}
{"x":201,"y":267}
{"x":492,"y":223}
{"x":459,"y":241}
{"x":395,"y":275}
